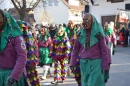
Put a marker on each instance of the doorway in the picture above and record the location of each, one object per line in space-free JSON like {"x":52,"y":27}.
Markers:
{"x":109,"y":19}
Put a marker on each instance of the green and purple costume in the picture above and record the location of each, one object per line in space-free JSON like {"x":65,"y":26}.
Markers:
{"x":12,"y":52}
{"x":93,"y":55}
{"x":43,"y":44}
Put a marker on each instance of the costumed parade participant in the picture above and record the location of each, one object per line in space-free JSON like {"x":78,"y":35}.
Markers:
{"x":122,"y":34}
{"x":13,"y":54}
{"x":52,"y":30}
{"x":32,"y":54}
{"x":91,"y":39}
{"x":126,"y":34}
{"x":60,"y":52}
{"x":43,"y":44}
{"x":71,"y":30}
{"x":111,"y":36}
{"x":76,"y":68}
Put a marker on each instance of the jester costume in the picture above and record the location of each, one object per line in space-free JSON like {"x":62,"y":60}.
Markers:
{"x":60,"y":52}
{"x":32,"y":54}
{"x":43,"y":44}
{"x":76,"y":69}
{"x":71,"y":35}
{"x":12,"y":53}
{"x":92,"y":64}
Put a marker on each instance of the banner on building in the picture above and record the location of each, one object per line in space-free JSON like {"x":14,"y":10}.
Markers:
{"x":124,"y":16}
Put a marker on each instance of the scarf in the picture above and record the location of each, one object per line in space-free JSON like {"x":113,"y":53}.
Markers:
{"x":10,"y":30}
{"x":45,"y":37}
{"x":70,"y":32}
{"x":109,"y":31}
{"x":59,"y":38}
{"x":96,"y":34}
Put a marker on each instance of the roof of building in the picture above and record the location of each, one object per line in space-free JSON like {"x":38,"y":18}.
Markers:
{"x":80,"y":7}
{"x":14,"y":13}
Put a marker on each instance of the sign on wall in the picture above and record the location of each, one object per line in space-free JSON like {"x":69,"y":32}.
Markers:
{"x":124,"y":16}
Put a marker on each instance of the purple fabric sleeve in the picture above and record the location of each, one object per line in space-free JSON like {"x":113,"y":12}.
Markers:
{"x":104,"y":54}
{"x":21,"y":58}
{"x":75,"y":52}
{"x":45,"y":44}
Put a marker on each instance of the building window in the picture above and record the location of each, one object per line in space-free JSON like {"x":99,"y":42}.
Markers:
{"x":44,"y":3}
{"x":76,"y":14}
{"x":56,"y":2}
{"x":72,"y":13}
{"x":50,"y":2}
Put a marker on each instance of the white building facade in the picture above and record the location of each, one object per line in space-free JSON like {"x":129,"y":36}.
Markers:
{"x":104,"y":8}
{"x":54,"y":11}
{"x":58,"y":11}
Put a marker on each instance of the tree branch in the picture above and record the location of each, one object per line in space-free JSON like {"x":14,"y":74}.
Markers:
{"x":24,"y":3}
{"x":37,"y":2}
{"x":15,"y":5}
{"x":19,"y":5}
{"x":31,"y":3}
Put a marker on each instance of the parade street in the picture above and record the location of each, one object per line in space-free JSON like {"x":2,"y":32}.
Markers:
{"x":119,"y":71}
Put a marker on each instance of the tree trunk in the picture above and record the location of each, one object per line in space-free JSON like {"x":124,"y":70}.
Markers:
{"x":22,"y":8}
{"x":22,"y":15}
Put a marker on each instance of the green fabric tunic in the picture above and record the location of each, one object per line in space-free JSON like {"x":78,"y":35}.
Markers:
{"x":4,"y":74}
{"x":44,"y":58}
{"x":92,"y":72}
{"x":69,"y":32}
{"x":44,"y":48}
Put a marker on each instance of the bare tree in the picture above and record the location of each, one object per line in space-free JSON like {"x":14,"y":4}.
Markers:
{"x":24,"y":6}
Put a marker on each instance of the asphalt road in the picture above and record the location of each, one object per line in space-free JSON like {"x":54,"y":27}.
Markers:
{"x":119,"y":71}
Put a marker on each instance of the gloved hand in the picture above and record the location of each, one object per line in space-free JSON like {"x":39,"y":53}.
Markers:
{"x":114,"y":45}
{"x":106,"y":75}
{"x":10,"y":81}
